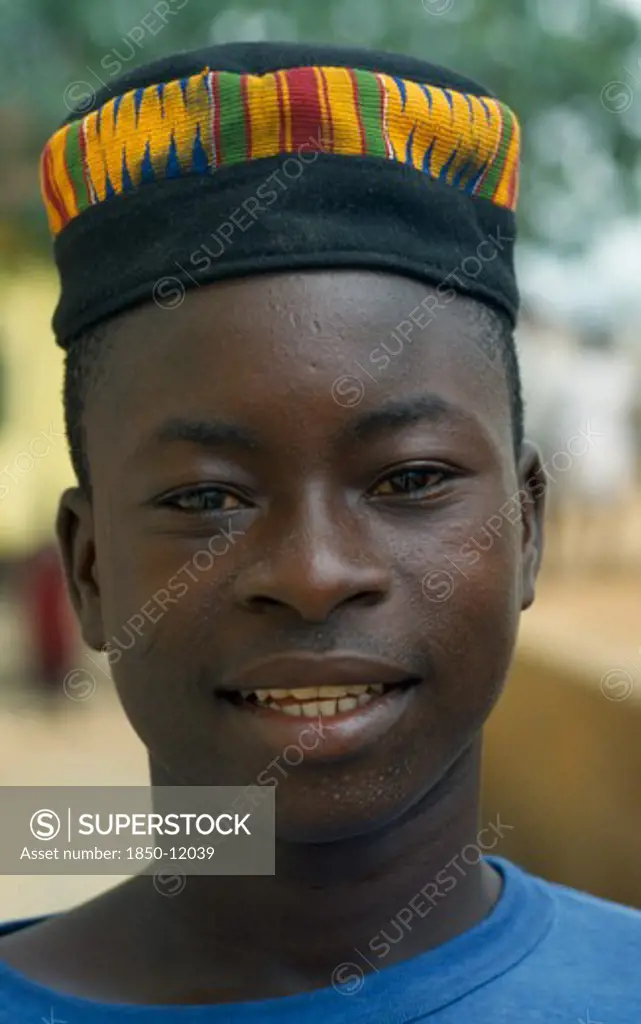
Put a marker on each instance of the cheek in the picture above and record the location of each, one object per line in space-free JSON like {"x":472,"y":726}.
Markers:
{"x":160,"y":602}
{"x":157,"y":670}
{"x":465,"y":585}
{"x":468,"y":546}
{"x":154,"y":588}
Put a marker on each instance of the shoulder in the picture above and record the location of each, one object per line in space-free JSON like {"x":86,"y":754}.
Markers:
{"x":582,"y":963}
{"x":595,"y":914}
{"x":61,"y":949}
{"x":595,"y":942}
{"x":21,"y":941}
{"x":13,"y":931}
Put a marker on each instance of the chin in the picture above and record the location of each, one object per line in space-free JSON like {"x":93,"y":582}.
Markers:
{"x":334,"y":816}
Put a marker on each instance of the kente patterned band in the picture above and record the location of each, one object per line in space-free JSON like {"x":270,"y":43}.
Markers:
{"x":194,"y":125}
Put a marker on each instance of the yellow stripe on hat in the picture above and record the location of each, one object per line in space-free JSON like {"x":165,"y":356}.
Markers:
{"x":445,"y":138}
{"x":94,"y":155}
{"x":344,"y":115}
{"x":61,"y":174}
{"x":483,"y":119}
{"x":408,"y":112}
{"x":262,"y":100}
{"x":325,"y":140}
{"x":508,"y":183}
{"x":111,"y":144}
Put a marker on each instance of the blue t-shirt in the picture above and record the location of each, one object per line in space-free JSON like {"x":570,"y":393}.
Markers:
{"x":545,"y":955}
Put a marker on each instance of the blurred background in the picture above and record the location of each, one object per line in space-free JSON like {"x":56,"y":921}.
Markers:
{"x":563,"y":759}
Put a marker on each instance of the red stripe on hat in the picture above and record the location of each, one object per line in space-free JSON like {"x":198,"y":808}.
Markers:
{"x":50,"y":188}
{"x":306,"y":112}
{"x":328,"y":109}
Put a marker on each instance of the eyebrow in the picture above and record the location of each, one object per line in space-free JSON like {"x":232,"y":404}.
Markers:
{"x":393,"y":415}
{"x":404,"y":412}
{"x":206,"y":433}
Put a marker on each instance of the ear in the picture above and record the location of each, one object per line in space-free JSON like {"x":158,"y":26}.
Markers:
{"x":532,"y":490}
{"x":75,"y":531}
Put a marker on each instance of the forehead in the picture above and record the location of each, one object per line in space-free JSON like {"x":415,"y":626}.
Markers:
{"x":277,"y":350}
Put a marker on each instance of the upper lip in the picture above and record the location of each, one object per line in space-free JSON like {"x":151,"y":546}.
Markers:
{"x":299,"y":671}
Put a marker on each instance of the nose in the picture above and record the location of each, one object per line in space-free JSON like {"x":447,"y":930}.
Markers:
{"x":314,"y":565}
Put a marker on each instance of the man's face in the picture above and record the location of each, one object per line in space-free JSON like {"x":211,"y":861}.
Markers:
{"x":268,"y":480}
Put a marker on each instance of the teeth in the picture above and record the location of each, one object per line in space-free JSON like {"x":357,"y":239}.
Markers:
{"x":315,"y":701}
{"x":327,"y":707}
{"x":314,"y":693}
{"x":342,"y":691}
{"x":292,"y":709}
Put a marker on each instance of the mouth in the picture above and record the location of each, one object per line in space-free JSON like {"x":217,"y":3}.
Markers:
{"x":346,"y":702}
{"x":326,"y":702}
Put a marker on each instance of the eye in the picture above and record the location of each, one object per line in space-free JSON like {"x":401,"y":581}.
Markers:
{"x":413,"y":482}
{"x":207,"y":500}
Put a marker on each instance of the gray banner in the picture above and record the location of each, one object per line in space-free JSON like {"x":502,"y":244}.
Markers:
{"x":119,"y":830}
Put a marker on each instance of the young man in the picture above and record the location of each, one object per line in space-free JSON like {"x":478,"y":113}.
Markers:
{"x":324,"y":396}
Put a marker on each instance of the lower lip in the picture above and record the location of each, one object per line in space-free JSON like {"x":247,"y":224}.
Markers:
{"x":325,"y":738}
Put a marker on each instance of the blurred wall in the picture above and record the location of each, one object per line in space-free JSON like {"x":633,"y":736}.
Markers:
{"x":34,"y":464}
{"x":562,"y":769}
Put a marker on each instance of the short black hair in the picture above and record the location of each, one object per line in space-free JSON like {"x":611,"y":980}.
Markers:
{"x":86,"y":367}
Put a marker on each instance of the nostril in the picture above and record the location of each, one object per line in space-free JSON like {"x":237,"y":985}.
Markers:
{"x":262,"y":602}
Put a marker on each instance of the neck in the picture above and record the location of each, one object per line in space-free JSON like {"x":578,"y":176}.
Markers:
{"x":380,"y":899}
